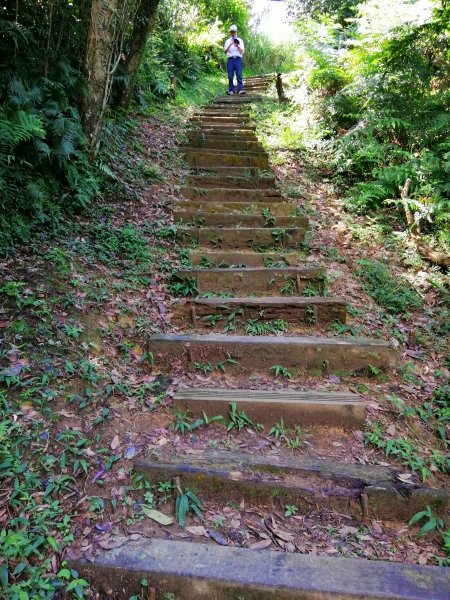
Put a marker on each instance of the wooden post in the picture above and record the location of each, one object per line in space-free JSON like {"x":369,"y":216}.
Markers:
{"x":173,"y":85}
{"x":281,"y":95}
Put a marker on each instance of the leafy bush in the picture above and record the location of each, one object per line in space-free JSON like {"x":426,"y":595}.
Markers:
{"x":44,"y":170}
{"x":396,"y":297}
{"x":379,"y":85}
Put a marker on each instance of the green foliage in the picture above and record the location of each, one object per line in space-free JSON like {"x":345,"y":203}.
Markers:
{"x":279,"y":370}
{"x":392,"y":294}
{"x":433,"y":525}
{"x":44,"y":171}
{"x":28,"y":543}
{"x":408,"y":452}
{"x":238,"y":420}
{"x":187,"y":501}
{"x":378,"y":89}
{"x":290,"y":510}
{"x":432,"y":522}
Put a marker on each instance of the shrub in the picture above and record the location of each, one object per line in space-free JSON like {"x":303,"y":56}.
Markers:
{"x":390,"y":293}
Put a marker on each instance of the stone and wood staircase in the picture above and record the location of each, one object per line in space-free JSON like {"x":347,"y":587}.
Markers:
{"x":246,"y":248}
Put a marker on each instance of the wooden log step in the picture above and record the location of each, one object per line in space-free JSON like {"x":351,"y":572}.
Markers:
{"x":203,"y":158}
{"x":217,"y":181}
{"x":252,"y":353}
{"x":287,"y":281}
{"x":204,"y":120}
{"x":235,"y":238}
{"x":232,"y":144}
{"x":237,"y":100}
{"x":204,"y":313}
{"x":221,"y":259}
{"x":226,"y":127}
{"x":222,"y":194}
{"x":188,"y":150}
{"x":214,"y":134}
{"x":213,"y":219}
{"x":275,"y":208}
{"x":233,"y":171}
{"x":222,"y":112}
{"x":199,"y":571}
{"x":267,"y":407}
{"x":309,"y":483}
{"x":225,"y":115}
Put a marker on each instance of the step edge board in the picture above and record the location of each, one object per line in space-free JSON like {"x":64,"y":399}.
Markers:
{"x":200,"y":569}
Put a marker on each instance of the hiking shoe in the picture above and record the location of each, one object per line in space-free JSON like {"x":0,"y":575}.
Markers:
{"x":241,"y":92}
{"x":230,"y":93}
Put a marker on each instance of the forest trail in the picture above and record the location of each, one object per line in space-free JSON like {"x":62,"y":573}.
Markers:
{"x":246,"y":249}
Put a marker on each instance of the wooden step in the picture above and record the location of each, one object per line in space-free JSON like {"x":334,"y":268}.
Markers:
{"x":229,"y":152}
{"x":213,"y":121}
{"x":237,"y":100}
{"x":253,"y":353}
{"x":269,"y":406}
{"x":289,"y":281}
{"x":222,"y":112}
{"x":220,"y":118}
{"x":204,"y":313}
{"x":225,"y":127}
{"x":276,"y":208}
{"x":203,"y":158}
{"x":232,"y":144}
{"x":217,"y":181}
{"x":309,"y":483}
{"x":212,"y":219}
{"x":233,"y":171}
{"x":220,"y":258}
{"x":199,"y":571}
{"x":257,"y":239}
{"x":222,"y":194}
{"x":225,"y":136}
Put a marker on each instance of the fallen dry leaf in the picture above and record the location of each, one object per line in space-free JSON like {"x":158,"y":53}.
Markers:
{"x":157,"y":516}
{"x":197,"y":530}
{"x":260,"y":545}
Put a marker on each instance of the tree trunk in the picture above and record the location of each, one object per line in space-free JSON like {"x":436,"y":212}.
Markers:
{"x":103,"y":51}
{"x":144,"y":21}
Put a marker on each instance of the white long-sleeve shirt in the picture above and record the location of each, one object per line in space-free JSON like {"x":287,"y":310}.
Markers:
{"x":233,"y":51}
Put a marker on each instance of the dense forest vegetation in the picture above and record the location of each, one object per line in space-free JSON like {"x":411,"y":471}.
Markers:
{"x":377,"y":82}
{"x":86,"y":87}
{"x":69,"y":68}
{"x":376,"y":75}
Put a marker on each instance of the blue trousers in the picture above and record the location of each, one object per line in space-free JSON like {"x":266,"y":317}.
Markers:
{"x":234,"y":65}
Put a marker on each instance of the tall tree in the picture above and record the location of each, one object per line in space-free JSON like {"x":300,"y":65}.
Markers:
{"x":104,"y":44}
{"x":143,"y":24}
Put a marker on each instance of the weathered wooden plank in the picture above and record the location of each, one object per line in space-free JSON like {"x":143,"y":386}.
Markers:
{"x":268,"y":406}
{"x":231,"y":194}
{"x":263,"y":352}
{"x":307,"y":483}
{"x":235,"y":238}
{"x":195,"y":571}
{"x":224,"y":219}
{"x":230,"y":182}
{"x":267,"y":281}
{"x":214,"y":258}
{"x":202,"y":313}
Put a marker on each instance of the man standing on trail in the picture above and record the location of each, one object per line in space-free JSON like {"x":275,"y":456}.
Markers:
{"x":234,"y":49}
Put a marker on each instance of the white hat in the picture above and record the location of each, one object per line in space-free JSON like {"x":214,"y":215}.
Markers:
{"x":233,"y":28}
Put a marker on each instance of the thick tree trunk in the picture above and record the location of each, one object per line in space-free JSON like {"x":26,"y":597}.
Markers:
{"x":144,"y":20}
{"x":103,"y":50}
